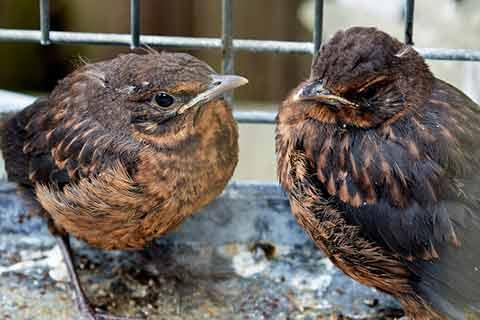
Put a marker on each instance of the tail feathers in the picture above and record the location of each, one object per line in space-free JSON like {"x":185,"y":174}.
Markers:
{"x":10,"y":105}
{"x":451,"y":284}
{"x":11,"y":145}
{"x":12,"y":140}
{"x":449,"y":303}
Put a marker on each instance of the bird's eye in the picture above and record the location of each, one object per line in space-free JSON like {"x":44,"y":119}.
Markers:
{"x":163,"y":99}
{"x":370,"y":92}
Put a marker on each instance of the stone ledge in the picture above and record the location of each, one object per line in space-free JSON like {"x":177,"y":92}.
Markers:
{"x":242,"y":257}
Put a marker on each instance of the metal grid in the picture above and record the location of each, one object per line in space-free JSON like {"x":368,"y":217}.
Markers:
{"x":226,"y":43}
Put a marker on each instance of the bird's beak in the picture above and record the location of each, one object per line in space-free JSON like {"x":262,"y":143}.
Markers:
{"x":315,"y":91}
{"x":218,"y":85}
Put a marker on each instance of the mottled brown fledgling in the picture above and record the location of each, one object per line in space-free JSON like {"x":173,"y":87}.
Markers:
{"x":122,"y":151}
{"x":381,"y":161}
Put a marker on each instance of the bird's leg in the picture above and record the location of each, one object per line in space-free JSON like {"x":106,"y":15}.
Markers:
{"x":81,"y":300}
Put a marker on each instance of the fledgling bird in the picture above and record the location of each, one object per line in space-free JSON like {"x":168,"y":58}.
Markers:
{"x":122,"y":151}
{"x":381,"y":162}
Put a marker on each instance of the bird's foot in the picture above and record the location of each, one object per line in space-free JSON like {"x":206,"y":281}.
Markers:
{"x":86,"y":312}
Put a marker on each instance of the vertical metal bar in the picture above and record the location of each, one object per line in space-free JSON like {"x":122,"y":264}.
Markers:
{"x":409,"y":6}
{"x":227,"y":41}
{"x":134,"y":23}
{"x":44,"y":22}
{"x":318,"y":25}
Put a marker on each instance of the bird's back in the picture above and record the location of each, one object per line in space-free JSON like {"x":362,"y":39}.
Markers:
{"x":416,"y":232}
{"x":438,"y":238}
{"x":448,"y":276}
{"x":451,"y":283}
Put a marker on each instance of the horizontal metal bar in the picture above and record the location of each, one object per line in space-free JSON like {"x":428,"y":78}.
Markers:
{"x":12,"y":102}
{"x":63,"y":37}
{"x":266,"y":117}
{"x":273,"y":46}
{"x":449,"y":54}
{"x":15,"y":35}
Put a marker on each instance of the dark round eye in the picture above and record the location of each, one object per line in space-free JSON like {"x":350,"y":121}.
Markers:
{"x":163,"y":99}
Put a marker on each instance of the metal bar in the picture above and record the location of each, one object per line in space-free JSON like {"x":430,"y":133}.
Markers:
{"x":45,"y":22}
{"x":265,"y":117}
{"x":449,"y":54}
{"x":227,"y":42}
{"x":273,"y":46}
{"x":12,"y":102}
{"x":63,"y":37}
{"x":292,"y":47}
{"x":409,"y":7}
{"x":134,"y":23}
{"x":318,"y":25}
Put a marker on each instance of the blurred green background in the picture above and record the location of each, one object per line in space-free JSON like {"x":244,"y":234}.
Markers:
{"x":34,"y":69}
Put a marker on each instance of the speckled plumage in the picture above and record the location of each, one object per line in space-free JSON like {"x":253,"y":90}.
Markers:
{"x":107,"y":164}
{"x":381,"y":163}
{"x":97,"y":155}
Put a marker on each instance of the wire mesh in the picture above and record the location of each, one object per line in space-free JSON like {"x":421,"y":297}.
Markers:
{"x":227,"y":43}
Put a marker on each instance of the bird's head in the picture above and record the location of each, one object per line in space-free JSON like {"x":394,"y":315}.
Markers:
{"x":167,"y":91}
{"x":155,"y":94}
{"x":363,"y":77}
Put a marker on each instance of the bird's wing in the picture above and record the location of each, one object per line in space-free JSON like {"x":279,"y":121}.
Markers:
{"x":62,"y":139}
{"x":13,"y":136}
{"x":420,"y":191}
{"x":451,"y":280}
{"x":52,"y":146}
{"x":422,"y":199}
{"x":79,"y":171}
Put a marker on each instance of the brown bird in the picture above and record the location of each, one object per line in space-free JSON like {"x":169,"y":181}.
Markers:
{"x":381,"y":162}
{"x":122,"y":151}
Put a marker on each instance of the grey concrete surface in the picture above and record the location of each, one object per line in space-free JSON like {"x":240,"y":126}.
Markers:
{"x":242,"y":257}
